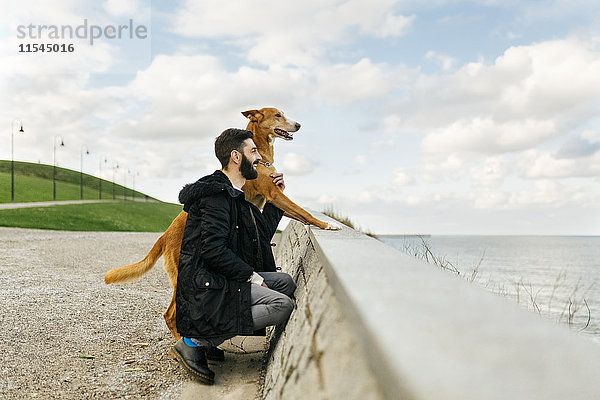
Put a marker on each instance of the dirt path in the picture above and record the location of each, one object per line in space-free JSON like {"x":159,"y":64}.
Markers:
{"x":66,"y":335}
{"x":7,"y":206}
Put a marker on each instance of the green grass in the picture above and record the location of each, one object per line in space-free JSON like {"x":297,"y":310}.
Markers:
{"x":33,"y":188}
{"x":33,"y":182}
{"x":131,"y":216}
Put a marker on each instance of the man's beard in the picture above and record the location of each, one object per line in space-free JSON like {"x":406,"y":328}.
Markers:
{"x":247,"y":170}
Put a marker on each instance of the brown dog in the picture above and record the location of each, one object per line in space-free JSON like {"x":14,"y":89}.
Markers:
{"x":266,"y":124}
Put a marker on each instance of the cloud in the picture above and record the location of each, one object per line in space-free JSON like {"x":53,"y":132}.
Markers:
{"x":36,"y":11}
{"x":543,"y":165}
{"x":442,"y":167}
{"x":365,"y":197}
{"x":486,"y":136}
{"x":326,"y":200}
{"x":460,"y":19}
{"x":182,"y":101}
{"x":392,"y":122}
{"x":536,"y":82}
{"x":492,"y":130}
{"x":297,"y":165}
{"x":554,"y":11}
{"x":50,"y":100}
{"x":361,"y":159}
{"x":392,"y":26}
{"x":194,"y":96}
{"x":346,"y":83}
{"x":550,"y":193}
{"x":55,"y":94}
{"x":489,"y":129}
{"x":491,"y":172}
{"x":578,"y":147}
{"x":541,"y":193}
{"x":381,"y":144}
{"x":283,"y":33}
{"x":212,"y":18}
{"x":488,"y":199}
{"x":446,"y":62}
{"x":402,"y":178}
{"x":120,"y":8}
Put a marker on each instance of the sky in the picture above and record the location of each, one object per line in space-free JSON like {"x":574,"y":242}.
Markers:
{"x":438,"y":117}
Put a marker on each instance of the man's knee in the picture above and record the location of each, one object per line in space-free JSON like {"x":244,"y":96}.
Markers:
{"x":287,"y":306}
{"x":289,"y":285}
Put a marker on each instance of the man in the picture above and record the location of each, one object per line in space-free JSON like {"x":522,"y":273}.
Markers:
{"x":227,"y":283}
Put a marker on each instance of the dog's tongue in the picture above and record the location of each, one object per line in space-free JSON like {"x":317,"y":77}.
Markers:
{"x":284,"y":134}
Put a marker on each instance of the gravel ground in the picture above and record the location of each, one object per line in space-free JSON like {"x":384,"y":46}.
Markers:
{"x":67,"y":335}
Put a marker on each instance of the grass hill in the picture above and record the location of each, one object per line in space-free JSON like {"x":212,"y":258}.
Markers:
{"x":33,"y":183}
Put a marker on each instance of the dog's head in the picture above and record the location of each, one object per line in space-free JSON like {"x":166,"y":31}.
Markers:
{"x":273,"y":122}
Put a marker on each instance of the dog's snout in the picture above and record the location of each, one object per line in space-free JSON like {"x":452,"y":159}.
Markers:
{"x":297,"y":125}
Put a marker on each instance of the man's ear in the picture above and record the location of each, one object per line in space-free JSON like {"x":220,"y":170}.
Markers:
{"x":253,"y":115}
{"x":234,"y":156}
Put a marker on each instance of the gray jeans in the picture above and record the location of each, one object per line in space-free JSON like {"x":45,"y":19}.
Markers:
{"x":269,"y":306}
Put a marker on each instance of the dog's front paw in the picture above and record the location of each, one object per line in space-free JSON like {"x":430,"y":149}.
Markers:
{"x":332,"y":226}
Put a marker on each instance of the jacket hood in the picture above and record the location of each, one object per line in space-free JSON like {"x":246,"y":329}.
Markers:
{"x":207,"y":186}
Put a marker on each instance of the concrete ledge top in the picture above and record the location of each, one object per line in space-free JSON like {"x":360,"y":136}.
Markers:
{"x":431,"y":335}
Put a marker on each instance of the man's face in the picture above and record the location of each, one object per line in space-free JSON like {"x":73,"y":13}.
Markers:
{"x":250,"y":158}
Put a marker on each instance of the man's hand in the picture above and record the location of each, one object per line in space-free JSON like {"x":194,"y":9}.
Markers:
{"x":278,"y":180}
{"x":265,"y":285}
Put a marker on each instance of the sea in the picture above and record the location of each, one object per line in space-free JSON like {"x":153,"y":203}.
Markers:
{"x":556,"y":277}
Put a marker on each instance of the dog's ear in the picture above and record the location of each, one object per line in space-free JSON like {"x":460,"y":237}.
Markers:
{"x":253,"y":115}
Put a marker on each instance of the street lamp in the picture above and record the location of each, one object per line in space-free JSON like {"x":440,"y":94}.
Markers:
{"x":62,"y":144}
{"x":133,"y":192}
{"x":81,"y":171}
{"x":125,"y":185}
{"x":115,"y":168}
{"x":100,"y":177}
{"x":12,"y":155}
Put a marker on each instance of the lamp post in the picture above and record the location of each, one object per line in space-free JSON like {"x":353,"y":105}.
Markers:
{"x":81,"y":171}
{"x":100,"y":177}
{"x":125,"y":185}
{"x":133,"y":192}
{"x":12,"y":157}
{"x":115,"y":168}
{"x":62,"y":144}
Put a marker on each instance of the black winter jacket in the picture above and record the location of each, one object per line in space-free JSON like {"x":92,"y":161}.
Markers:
{"x":222,"y":245}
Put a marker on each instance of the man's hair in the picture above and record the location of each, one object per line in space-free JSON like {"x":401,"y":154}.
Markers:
{"x":229,"y":140}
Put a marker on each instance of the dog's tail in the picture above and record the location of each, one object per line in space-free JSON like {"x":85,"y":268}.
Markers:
{"x":134,"y":271}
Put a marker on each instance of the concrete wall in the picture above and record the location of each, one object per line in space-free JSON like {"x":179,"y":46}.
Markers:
{"x":317,"y":355}
{"x":374,"y":323}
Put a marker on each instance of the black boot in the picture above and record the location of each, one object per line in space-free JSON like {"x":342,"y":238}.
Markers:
{"x":215,"y":354}
{"x":194,"y":360}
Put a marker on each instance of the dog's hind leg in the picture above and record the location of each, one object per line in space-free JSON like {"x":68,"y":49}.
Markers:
{"x":169,"y":316}
{"x":170,"y":263}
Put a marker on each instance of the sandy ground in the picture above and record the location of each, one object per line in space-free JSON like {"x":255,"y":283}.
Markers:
{"x":67,"y":335}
